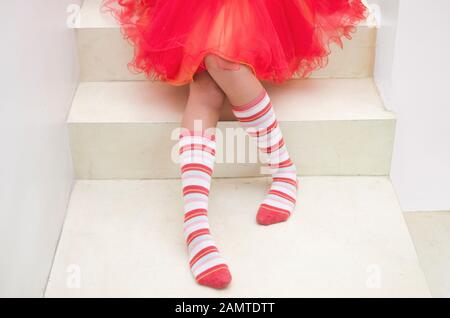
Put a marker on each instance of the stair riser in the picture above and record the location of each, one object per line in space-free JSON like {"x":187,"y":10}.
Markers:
{"x":104,"y":56}
{"x":143,"y":150}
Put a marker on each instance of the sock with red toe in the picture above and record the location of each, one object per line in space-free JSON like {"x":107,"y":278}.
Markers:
{"x":197,"y":154}
{"x":259,"y":120}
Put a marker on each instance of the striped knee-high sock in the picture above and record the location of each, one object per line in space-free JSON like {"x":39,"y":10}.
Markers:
{"x":259,"y":120}
{"x":197,"y":154}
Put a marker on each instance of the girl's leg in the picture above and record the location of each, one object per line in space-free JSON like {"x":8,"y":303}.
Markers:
{"x":197,"y":152}
{"x":252,"y":107}
{"x":205,"y":102}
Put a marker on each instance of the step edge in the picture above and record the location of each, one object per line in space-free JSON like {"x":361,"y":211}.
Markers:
{"x":376,"y":111}
{"x":390,"y":116}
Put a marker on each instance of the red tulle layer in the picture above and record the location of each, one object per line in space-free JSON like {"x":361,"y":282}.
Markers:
{"x":276,"y":38}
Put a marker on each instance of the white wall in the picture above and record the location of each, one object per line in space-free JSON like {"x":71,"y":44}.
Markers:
{"x":37,"y":81}
{"x":415,"y":83}
{"x":386,"y":43}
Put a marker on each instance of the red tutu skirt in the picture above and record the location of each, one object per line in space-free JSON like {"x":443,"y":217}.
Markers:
{"x":276,"y":38}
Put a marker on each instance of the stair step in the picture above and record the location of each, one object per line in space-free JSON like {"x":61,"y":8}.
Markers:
{"x":347,"y":238}
{"x":104,"y":55}
{"x":124,"y":130}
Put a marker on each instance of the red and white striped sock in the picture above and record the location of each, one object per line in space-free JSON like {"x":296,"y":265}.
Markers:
{"x":197,"y":154}
{"x":259,"y":120}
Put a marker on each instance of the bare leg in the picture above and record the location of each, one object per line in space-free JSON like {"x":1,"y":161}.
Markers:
{"x":205,"y":102}
{"x":238,"y":82}
{"x":253,"y":108}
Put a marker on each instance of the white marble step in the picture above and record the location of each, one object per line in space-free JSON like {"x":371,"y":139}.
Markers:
{"x":104,"y":54}
{"x":347,"y":238}
{"x":124,"y":130}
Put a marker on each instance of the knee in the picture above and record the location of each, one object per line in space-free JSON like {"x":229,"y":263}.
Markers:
{"x":206,"y":90}
{"x":215,"y":63}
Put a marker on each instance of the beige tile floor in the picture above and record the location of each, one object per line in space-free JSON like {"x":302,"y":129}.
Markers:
{"x":430,"y":232}
{"x":347,"y":238}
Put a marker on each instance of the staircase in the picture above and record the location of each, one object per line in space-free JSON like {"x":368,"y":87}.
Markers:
{"x":123,"y":232}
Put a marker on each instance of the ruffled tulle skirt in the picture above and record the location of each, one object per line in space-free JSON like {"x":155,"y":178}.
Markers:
{"x":276,"y":38}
